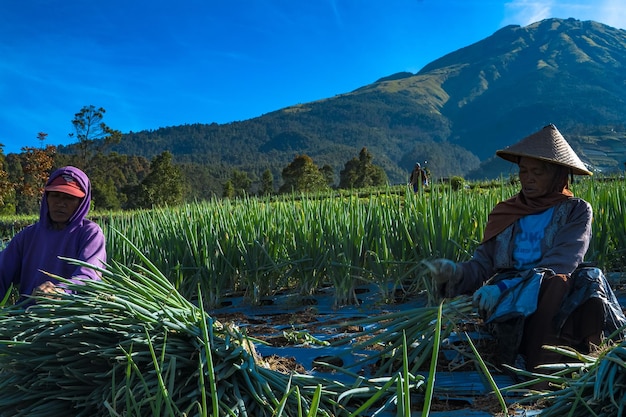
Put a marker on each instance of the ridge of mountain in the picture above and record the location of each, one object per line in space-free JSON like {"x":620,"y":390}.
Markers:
{"x":454,"y":113}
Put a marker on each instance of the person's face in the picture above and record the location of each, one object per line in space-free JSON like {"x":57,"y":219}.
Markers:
{"x":61,"y":206}
{"x":536,"y":177}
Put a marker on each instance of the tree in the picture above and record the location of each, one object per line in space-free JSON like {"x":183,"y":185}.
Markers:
{"x":7,"y":192}
{"x":361,"y":173}
{"x":93,"y":135}
{"x":111,"y":173}
{"x":329,"y":174}
{"x":241,"y":183}
{"x":302,"y":175}
{"x":228,"y":190}
{"x":13,"y":163}
{"x":36,"y":165}
{"x":267,"y":183}
{"x":164,"y":184}
{"x":42,"y":136}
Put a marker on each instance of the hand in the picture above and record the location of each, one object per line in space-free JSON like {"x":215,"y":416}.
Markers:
{"x":47,"y":288}
{"x":446,"y":275}
{"x":486,"y":297}
{"x":442,"y":270}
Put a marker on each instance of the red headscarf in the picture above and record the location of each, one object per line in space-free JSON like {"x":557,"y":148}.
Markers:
{"x":508,"y":211}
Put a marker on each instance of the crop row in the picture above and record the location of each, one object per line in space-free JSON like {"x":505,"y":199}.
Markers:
{"x":257,"y":247}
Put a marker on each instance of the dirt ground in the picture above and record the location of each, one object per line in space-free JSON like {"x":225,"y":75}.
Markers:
{"x":308,"y":326}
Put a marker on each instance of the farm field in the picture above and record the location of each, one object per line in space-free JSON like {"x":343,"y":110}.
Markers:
{"x":333,"y":288}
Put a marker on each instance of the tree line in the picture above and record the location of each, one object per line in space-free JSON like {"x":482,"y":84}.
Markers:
{"x":127,"y":182}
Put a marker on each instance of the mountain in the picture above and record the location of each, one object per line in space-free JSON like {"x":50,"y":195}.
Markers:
{"x":454,"y":113}
{"x":565,"y":72}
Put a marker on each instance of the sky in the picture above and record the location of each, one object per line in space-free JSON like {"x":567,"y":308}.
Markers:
{"x":160,"y":63}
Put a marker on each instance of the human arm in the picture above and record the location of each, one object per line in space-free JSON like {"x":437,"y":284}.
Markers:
{"x":88,"y":246}
{"x":10,"y":267}
{"x":455,"y":278}
{"x":13,"y":261}
{"x":478,"y":269}
{"x":92,"y":250}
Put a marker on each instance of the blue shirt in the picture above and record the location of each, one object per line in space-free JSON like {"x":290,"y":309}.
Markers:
{"x":527,"y":246}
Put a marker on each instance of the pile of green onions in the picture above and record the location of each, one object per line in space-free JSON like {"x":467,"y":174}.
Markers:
{"x":132,"y":345}
{"x":593,"y":385}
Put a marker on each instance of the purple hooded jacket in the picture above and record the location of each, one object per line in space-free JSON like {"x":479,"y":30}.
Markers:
{"x":38,"y":246}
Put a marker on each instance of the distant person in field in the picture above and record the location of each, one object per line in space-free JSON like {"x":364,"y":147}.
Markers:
{"x":418,"y":178}
{"x":62,"y":230}
{"x":527,"y":276}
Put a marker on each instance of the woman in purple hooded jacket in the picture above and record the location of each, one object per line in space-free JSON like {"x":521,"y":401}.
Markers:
{"x":62,"y":231}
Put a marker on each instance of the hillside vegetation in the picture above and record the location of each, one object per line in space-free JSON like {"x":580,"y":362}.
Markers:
{"x":454,"y":113}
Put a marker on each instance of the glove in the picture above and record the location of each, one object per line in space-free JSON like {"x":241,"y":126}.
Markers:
{"x":486,"y":297}
{"x":446,"y":275}
{"x":442,"y":270}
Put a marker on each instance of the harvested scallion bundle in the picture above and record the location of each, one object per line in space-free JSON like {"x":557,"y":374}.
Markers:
{"x":595,"y":387}
{"x":386,"y":333}
{"x":131,"y":345}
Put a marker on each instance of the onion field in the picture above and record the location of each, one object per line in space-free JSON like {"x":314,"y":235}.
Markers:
{"x":142,"y":342}
{"x":304,"y":243}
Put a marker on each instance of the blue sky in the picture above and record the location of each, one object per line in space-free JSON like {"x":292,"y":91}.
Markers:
{"x":160,"y":63}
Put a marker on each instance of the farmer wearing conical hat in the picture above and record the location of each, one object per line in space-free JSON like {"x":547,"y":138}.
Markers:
{"x":527,"y":275}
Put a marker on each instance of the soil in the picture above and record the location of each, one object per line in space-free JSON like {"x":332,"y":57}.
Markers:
{"x":306,"y":327}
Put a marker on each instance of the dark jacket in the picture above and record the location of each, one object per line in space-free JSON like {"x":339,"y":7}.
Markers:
{"x":564,"y":245}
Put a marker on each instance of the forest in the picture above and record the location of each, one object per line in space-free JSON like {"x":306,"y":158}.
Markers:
{"x":127,"y":182}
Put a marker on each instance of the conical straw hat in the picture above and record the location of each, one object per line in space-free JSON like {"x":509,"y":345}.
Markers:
{"x":547,"y":145}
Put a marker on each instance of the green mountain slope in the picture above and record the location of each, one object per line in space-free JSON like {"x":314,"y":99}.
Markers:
{"x":454,"y":113}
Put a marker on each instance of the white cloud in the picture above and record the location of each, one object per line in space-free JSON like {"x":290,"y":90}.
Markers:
{"x":524,"y":12}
